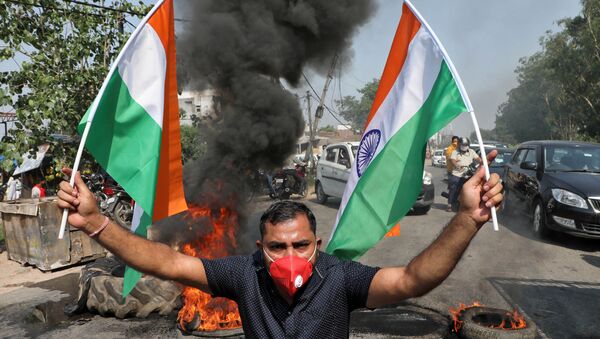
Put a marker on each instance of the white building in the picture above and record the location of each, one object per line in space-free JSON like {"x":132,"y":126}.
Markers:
{"x":204,"y":105}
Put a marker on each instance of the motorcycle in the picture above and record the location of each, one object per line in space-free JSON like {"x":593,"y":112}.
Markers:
{"x":471,"y":169}
{"x":290,"y":181}
{"x":258,"y":182}
{"x":120,"y":206}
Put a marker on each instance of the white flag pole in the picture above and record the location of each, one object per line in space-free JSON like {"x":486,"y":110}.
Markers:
{"x":94,"y":107}
{"x":463,"y":94}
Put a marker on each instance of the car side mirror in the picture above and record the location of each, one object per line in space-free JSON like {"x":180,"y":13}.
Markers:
{"x":529,"y":165}
{"x":345,"y":162}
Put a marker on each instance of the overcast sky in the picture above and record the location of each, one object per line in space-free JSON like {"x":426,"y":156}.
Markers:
{"x":484,"y":38}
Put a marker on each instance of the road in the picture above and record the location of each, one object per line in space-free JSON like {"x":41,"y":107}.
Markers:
{"x":556,"y":283}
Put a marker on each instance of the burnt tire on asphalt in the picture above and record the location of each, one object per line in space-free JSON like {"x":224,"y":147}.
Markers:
{"x":100,"y":288}
{"x":471,"y":329}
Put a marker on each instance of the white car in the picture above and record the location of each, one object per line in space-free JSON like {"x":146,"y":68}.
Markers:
{"x":439,"y":158}
{"x":333,"y":170}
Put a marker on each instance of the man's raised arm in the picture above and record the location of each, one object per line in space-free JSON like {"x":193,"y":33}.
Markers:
{"x":430,"y":268}
{"x":144,"y":255}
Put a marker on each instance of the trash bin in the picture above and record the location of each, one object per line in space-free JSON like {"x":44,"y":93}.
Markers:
{"x":31,"y":229}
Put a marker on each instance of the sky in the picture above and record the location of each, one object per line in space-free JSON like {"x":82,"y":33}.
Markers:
{"x":485,"y":40}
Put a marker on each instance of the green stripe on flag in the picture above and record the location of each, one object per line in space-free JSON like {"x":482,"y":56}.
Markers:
{"x":393,"y":180}
{"x":125,"y":141}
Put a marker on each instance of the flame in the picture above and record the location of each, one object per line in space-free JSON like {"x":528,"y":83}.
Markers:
{"x":510,"y":321}
{"x":213,"y":313}
{"x":456,"y":313}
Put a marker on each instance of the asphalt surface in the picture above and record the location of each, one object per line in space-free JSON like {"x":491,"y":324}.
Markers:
{"x":554,"y":282}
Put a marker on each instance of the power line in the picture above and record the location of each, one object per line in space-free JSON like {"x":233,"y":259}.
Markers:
{"x":103,"y":7}
{"x":327,"y":107}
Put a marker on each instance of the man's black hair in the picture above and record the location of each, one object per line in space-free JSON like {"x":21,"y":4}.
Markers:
{"x":455,"y":137}
{"x":286,"y":210}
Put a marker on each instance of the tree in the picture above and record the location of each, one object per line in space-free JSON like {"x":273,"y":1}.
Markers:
{"x":556,"y":97}
{"x":60,"y":53}
{"x":357,"y":111}
{"x":193,"y":145}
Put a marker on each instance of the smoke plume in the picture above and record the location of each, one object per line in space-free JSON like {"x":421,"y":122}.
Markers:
{"x":242,"y":49}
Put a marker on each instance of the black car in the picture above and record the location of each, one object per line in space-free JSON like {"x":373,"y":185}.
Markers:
{"x":503,"y":157}
{"x":557,"y":183}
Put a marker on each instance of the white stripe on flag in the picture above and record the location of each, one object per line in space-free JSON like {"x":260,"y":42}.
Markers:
{"x":405,"y":98}
{"x":143,"y":68}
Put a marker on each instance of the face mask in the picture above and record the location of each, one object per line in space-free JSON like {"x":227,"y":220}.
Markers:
{"x":464,"y":148}
{"x":291,"y":272}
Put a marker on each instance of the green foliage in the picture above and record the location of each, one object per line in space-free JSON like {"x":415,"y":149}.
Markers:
{"x":357,"y":111}
{"x":193,"y":143}
{"x":557,"y":95}
{"x":59,"y":54}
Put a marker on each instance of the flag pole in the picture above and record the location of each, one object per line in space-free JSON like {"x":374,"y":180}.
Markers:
{"x":94,"y":107}
{"x":464,"y":95}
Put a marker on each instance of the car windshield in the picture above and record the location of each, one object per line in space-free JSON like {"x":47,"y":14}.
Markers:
{"x":354,"y":149}
{"x":572,"y":158}
{"x":502,"y":158}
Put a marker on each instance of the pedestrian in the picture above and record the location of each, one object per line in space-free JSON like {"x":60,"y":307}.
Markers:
{"x":451,"y":148}
{"x":288,"y":287}
{"x":38,"y":190}
{"x":11,"y":189}
{"x":461,"y":159}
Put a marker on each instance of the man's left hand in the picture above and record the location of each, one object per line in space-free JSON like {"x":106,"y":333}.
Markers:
{"x":479,"y":195}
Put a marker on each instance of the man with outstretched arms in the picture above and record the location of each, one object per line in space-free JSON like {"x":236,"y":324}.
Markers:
{"x":288,"y":287}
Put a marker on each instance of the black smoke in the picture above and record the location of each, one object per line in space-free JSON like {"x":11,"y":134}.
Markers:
{"x":242,"y":49}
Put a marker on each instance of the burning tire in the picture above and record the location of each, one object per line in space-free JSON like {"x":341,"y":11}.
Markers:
{"x":101,"y":284}
{"x":477,"y":322}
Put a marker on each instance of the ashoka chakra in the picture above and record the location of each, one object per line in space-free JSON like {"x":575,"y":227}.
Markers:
{"x":366,"y":150}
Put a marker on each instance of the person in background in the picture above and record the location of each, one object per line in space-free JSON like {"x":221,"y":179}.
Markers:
{"x":11,"y":189}
{"x":451,"y":148}
{"x":461,"y":159}
{"x":38,"y":190}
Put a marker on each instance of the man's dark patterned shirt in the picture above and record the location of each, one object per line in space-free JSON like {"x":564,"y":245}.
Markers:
{"x":321,"y":309}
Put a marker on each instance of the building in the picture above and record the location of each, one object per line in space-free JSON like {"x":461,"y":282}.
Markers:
{"x":202,"y":106}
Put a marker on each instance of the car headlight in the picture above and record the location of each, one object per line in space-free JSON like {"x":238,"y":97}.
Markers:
{"x":426,"y":178}
{"x":568,"y":198}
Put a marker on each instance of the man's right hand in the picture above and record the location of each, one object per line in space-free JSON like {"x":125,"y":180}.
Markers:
{"x":81,"y":203}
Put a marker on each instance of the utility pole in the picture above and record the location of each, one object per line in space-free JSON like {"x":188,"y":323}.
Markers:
{"x":308,"y":158}
{"x":314,"y":126}
{"x":320,"y":108}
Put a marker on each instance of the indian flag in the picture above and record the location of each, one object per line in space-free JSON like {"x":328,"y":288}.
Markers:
{"x":419,"y":93}
{"x":134,"y":124}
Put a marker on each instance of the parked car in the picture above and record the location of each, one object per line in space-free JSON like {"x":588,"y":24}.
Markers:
{"x":438,"y":159}
{"x":557,"y":184}
{"x":333,"y":170}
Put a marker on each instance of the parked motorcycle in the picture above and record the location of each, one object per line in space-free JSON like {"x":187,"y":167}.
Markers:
{"x":120,"y":205}
{"x":259,"y":182}
{"x":289,"y":181}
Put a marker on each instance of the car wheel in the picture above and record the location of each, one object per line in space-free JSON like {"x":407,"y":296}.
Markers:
{"x":321,"y":196}
{"x":539,"y":221}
